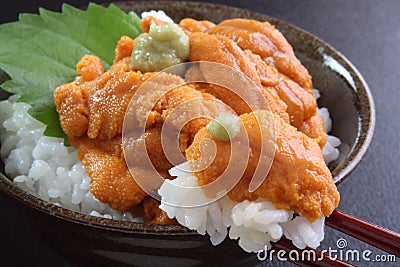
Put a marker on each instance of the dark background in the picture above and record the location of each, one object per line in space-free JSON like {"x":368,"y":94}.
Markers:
{"x":366,"y":32}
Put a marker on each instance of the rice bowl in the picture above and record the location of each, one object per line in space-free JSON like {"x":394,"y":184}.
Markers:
{"x":46,"y":168}
{"x":80,"y":198}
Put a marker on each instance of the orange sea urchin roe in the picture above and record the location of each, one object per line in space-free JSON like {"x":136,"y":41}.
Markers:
{"x":110,"y":179}
{"x":124,"y":48}
{"x":298,"y":180}
{"x":89,"y":68}
{"x":285,"y":97}
{"x":91,"y":113}
{"x":192,"y":25}
{"x":72,"y":108}
{"x":265,"y":40}
{"x":154,"y":214}
{"x":92,"y":109}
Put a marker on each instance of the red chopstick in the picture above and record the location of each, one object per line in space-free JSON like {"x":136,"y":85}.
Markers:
{"x":321,"y":259}
{"x":367,"y":232}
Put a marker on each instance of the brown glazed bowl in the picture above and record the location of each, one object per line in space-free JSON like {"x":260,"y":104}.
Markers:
{"x":95,"y":241}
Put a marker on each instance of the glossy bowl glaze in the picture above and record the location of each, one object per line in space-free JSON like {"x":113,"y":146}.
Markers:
{"x":90,"y":240}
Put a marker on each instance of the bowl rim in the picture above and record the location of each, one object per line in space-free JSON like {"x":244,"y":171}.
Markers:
{"x":353,"y":159}
{"x":365,"y":138}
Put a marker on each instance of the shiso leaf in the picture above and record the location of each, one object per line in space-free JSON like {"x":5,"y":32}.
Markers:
{"x":39,"y":52}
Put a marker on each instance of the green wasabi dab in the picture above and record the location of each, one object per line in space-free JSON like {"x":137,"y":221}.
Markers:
{"x":225,"y":127}
{"x":164,"y":46}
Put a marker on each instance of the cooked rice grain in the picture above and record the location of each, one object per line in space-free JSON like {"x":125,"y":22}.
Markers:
{"x":44,"y":167}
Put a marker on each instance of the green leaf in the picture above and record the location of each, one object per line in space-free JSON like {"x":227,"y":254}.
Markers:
{"x":39,"y":52}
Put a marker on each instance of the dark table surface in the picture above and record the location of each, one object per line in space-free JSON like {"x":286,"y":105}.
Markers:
{"x":366,"y":32}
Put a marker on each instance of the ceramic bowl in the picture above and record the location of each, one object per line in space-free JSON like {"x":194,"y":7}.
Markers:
{"x":96,"y":241}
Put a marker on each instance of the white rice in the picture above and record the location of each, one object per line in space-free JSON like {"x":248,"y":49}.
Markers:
{"x":46,"y":168}
{"x":253,"y":224}
{"x":160,"y":14}
{"x":330,"y":151}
